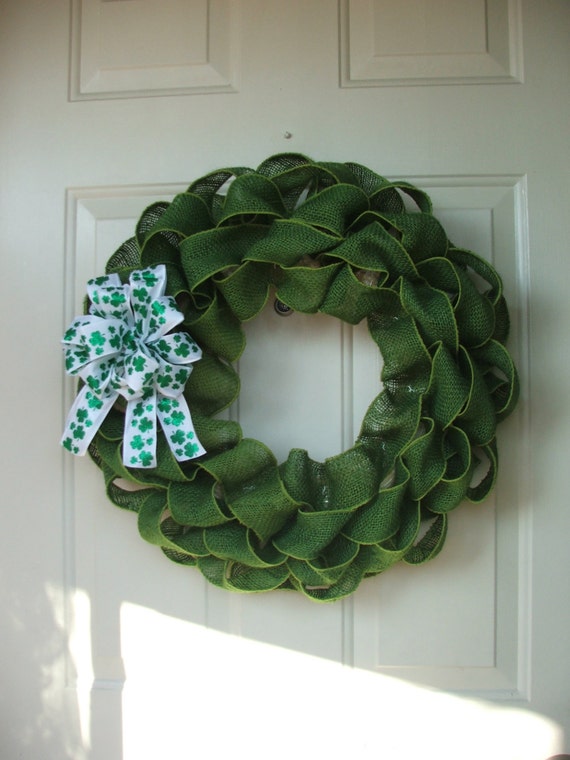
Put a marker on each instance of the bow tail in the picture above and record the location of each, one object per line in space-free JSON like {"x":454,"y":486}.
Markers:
{"x":84,"y":419}
{"x":176,"y":421}
{"x":139,"y":440}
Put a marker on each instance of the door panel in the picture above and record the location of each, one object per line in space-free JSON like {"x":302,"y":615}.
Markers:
{"x":467,"y":42}
{"x":476,"y":641}
{"x":112,"y":104}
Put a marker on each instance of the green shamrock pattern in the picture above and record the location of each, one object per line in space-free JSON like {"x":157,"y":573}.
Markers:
{"x":125,"y":347}
{"x":174,"y":418}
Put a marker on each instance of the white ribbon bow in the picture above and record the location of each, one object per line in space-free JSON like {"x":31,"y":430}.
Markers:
{"x":121,"y":348}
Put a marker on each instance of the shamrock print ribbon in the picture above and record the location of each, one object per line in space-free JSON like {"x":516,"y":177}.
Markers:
{"x":124,"y":347}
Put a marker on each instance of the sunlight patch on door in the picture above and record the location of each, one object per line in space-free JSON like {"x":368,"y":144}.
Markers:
{"x":190,"y":688}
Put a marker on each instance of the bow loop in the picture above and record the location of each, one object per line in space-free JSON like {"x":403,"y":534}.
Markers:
{"x":164,"y":316}
{"x":123,"y":347}
{"x":109,"y":298}
{"x":89,"y":339}
{"x":154,"y":313}
{"x":178,"y":348}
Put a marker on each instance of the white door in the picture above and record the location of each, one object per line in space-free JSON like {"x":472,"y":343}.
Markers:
{"x":110,"y":651}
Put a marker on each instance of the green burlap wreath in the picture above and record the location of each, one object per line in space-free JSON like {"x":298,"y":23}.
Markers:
{"x":337,"y":239}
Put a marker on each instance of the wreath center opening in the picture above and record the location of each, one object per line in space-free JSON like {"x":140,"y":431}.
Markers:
{"x":306,"y":382}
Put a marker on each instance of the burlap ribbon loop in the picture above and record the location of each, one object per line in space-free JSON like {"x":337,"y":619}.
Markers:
{"x":341,"y":240}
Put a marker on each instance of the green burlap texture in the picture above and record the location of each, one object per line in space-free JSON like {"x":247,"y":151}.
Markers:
{"x":337,"y":239}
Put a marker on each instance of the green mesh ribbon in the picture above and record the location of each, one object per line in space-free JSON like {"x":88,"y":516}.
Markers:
{"x":337,"y":239}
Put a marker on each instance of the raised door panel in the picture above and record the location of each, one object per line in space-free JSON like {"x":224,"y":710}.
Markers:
{"x":306,"y":382}
{"x":436,"y":42}
{"x":137,"y":48}
{"x":461,"y":622}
